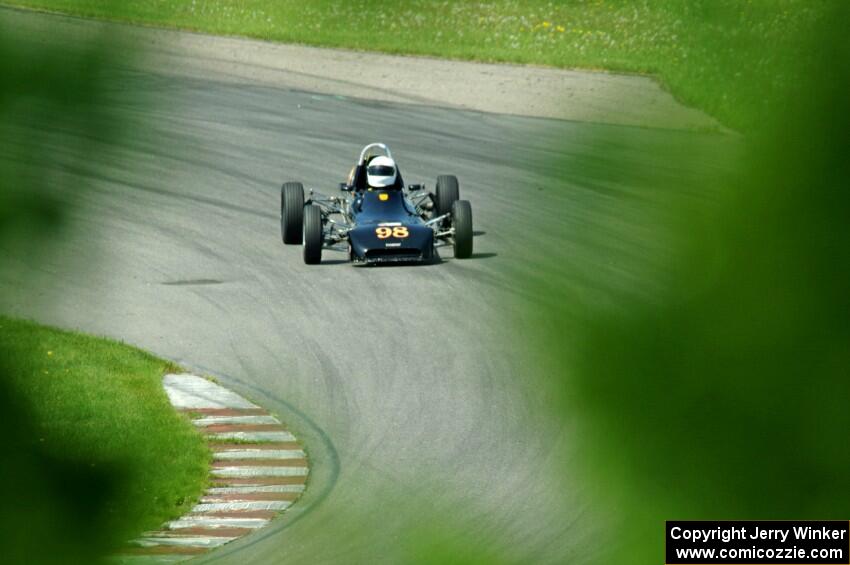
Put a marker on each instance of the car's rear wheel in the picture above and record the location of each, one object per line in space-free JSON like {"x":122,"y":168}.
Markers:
{"x":462,"y":224}
{"x":291,"y":211}
{"x":447,"y":193}
{"x":312,"y":235}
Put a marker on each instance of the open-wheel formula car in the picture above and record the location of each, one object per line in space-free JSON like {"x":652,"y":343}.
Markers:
{"x":378,"y":219}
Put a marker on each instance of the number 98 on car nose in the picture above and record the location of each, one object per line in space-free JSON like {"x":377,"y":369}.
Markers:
{"x":398,"y":232}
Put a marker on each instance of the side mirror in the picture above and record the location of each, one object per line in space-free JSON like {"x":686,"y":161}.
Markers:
{"x":413,"y":187}
{"x":345,"y":187}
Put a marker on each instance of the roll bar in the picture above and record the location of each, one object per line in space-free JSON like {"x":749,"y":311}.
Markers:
{"x":366,"y":149}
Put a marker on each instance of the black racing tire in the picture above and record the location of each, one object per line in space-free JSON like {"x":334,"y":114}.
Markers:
{"x":462,"y":223}
{"x":446,"y":193}
{"x":313,"y":238}
{"x":291,"y":212}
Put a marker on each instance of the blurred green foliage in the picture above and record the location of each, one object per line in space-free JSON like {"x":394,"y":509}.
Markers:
{"x":76,"y":476}
{"x":51,"y":506}
{"x":727,"y":57}
{"x":715,"y":386}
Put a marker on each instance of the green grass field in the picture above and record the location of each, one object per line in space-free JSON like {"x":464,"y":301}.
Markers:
{"x":101,"y":405}
{"x":724,"y":56}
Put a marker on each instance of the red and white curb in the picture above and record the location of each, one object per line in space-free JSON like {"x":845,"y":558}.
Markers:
{"x":258,"y":471}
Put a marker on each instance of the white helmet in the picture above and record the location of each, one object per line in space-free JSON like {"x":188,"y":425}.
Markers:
{"x":381,"y":172}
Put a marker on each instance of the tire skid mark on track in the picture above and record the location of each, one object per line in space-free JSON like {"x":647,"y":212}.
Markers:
{"x":252,"y":480}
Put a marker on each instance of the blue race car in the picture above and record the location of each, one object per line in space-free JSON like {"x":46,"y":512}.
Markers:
{"x":379,"y":220}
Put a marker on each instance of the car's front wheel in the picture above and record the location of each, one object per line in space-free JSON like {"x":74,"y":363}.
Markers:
{"x":313,"y":237}
{"x":291,"y":211}
{"x":462,"y":224}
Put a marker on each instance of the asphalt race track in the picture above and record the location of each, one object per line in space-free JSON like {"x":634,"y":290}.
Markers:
{"x":411,"y":386}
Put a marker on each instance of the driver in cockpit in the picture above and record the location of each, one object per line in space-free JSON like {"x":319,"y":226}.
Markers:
{"x":381,"y":172}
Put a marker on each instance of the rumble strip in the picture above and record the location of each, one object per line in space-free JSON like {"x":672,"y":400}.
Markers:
{"x":258,"y":471}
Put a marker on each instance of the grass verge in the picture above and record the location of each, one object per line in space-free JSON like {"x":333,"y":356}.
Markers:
{"x":101,"y":405}
{"x":726,"y":57}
